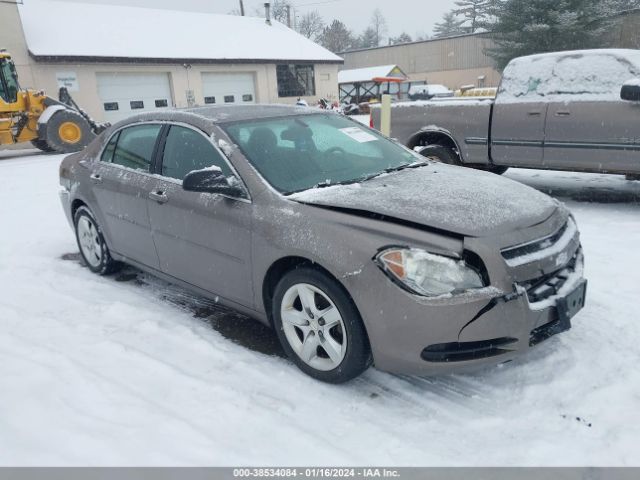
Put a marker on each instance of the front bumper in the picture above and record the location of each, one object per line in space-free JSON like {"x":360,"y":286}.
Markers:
{"x":410,"y":334}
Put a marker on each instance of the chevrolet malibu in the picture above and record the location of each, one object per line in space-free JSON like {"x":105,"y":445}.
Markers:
{"x":354,"y":249}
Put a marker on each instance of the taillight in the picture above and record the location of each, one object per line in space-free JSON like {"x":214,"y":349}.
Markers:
{"x":371,"y":120}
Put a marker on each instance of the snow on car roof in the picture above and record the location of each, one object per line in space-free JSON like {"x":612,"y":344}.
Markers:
{"x":114,"y":31}
{"x":368,"y":74}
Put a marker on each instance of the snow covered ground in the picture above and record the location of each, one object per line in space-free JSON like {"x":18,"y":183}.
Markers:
{"x":127,"y":370}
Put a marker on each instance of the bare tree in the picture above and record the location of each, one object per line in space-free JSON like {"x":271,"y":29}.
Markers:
{"x":311,"y":24}
{"x":379,"y":25}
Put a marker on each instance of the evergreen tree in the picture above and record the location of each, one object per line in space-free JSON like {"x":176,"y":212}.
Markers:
{"x":402,"y":38}
{"x":368,"y":39}
{"x":336,"y":37}
{"x":449,"y":26}
{"x":525,"y":27}
{"x":474,"y":13}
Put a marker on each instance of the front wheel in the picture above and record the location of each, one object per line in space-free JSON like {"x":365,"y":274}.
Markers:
{"x":93,"y":248}
{"x":67,"y":131}
{"x":320,"y":327}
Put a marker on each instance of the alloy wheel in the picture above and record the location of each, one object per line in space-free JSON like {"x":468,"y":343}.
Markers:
{"x":313,"y":326}
{"x":89,"y":240}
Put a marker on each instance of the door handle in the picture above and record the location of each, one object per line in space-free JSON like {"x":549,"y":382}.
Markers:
{"x":158,"y":196}
{"x":95,"y":178}
{"x":534,"y":113}
{"x":562,"y":113}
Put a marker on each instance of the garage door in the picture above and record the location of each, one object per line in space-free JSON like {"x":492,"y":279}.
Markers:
{"x":125,"y":94}
{"x":221,"y":88}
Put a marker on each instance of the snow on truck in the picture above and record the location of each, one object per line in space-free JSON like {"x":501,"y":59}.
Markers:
{"x":573,"y":110}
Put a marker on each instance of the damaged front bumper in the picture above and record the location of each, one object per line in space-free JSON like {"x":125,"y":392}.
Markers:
{"x":416,"y":335}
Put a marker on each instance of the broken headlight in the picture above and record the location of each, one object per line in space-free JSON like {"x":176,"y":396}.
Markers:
{"x":428,"y":274}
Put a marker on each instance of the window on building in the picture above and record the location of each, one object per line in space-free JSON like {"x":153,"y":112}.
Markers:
{"x":247,"y":98}
{"x":209,"y":99}
{"x":229,"y":99}
{"x":186,"y":150}
{"x":135,"y":146}
{"x":162,"y":103}
{"x":111,"y":106}
{"x":136,"y":104}
{"x":296,"y":80}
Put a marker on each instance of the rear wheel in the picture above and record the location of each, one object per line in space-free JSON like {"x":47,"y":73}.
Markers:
{"x":633,"y":176}
{"x":67,"y":132}
{"x":93,"y":249}
{"x":319,"y":326}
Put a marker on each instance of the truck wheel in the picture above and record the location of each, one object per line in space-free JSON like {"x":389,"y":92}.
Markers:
{"x":67,"y":132}
{"x":497,"y":169}
{"x":41,"y":145}
{"x":442,"y":154}
{"x":632,"y":176}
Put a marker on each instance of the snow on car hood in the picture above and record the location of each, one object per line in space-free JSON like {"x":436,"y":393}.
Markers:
{"x":459,"y":200}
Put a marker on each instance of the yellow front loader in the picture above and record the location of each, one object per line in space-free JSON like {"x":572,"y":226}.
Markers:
{"x":31,"y":116}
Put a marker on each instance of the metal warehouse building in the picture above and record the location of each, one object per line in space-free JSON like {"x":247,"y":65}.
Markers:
{"x":118,"y":60}
{"x":461,"y":60}
{"x":452,"y":61}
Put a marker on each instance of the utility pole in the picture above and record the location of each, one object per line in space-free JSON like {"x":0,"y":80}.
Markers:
{"x":241,"y":8}
{"x":288,"y":15}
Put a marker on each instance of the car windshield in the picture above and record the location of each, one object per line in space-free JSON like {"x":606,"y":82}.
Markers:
{"x":296,"y":153}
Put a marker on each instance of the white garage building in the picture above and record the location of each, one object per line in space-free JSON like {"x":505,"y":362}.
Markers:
{"x":118,"y":60}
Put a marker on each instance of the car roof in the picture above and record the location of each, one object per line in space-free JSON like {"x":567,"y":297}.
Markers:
{"x":219,"y":114}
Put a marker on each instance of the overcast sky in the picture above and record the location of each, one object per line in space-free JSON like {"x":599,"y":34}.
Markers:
{"x":411,"y":16}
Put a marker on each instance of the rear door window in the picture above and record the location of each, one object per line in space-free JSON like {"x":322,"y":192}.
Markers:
{"x":135,"y":146}
{"x":186,"y":150}
{"x":107,"y":154}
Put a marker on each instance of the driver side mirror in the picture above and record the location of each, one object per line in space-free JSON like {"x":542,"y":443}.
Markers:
{"x":211,"y":180}
{"x":631,"y":90}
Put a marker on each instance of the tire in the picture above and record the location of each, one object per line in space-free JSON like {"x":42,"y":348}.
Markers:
{"x":67,"y":131}
{"x":497,"y":169}
{"x":632,"y":177}
{"x":329,"y":323}
{"x":442,"y":154}
{"x":93,"y":249}
{"x":42,"y":145}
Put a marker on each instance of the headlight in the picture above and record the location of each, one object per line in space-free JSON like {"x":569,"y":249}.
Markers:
{"x":428,"y":274}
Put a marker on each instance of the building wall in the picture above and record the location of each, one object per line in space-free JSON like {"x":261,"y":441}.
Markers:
{"x":452,"y":61}
{"x":42,"y":75}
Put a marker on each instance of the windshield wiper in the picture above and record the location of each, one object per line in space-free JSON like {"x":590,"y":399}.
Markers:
{"x":329,"y":183}
{"x":406,"y":166}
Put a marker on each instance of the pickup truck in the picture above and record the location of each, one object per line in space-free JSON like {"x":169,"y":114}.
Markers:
{"x":574,"y":110}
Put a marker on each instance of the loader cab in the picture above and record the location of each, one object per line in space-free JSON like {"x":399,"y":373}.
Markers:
{"x":9,"y":86}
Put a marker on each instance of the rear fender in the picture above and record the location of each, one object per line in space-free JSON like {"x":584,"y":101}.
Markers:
{"x":434,"y":135}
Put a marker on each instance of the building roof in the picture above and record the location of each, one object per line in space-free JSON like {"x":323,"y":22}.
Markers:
{"x":367,"y":74}
{"x":74,"y":30}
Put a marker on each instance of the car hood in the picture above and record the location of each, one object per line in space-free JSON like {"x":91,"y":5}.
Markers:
{"x":455,"y":199}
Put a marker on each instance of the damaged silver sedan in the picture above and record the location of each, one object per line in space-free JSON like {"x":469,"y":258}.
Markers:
{"x":356,"y":250}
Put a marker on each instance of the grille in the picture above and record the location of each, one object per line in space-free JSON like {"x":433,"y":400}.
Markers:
{"x":546,"y":286}
{"x":541,"y":248}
